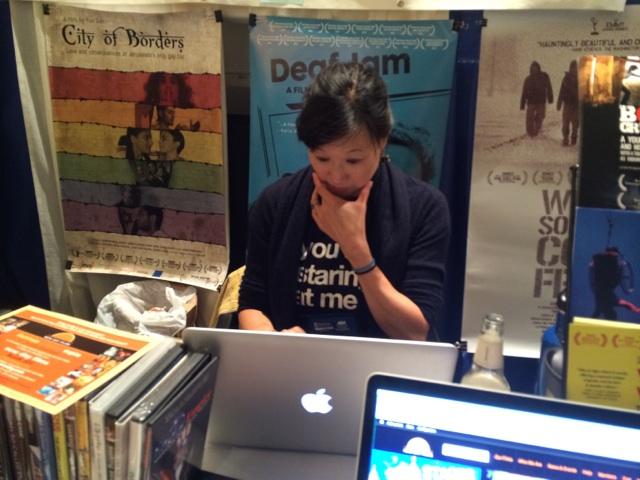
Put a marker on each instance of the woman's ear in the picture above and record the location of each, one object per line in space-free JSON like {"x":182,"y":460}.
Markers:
{"x":382,"y":145}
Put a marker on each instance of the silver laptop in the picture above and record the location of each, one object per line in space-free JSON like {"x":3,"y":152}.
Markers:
{"x":422,"y":429}
{"x":300,"y":392}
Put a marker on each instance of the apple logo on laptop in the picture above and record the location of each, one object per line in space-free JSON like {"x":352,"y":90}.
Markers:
{"x":317,"y":402}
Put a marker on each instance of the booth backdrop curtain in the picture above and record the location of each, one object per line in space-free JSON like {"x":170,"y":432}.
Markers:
{"x":79,"y":293}
{"x":31,"y":246}
{"x":23,"y":277}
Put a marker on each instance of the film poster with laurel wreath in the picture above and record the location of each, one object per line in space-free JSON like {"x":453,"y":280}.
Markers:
{"x":415,"y":58}
{"x":137,"y":124}
{"x":527,"y":138}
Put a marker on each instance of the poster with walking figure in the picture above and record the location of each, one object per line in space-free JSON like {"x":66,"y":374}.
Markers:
{"x":527,"y":137}
{"x":137,"y":123}
{"x":415,"y":58}
{"x":536,"y":92}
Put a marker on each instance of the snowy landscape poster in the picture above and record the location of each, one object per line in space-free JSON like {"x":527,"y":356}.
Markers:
{"x":526,"y":140}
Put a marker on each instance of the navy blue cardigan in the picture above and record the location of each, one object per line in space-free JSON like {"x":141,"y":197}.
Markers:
{"x":408,"y":230}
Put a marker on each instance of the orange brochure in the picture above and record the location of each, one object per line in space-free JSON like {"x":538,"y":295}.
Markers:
{"x":50,"y":360}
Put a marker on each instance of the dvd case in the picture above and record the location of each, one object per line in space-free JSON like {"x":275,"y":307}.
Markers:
{"x":163,"y":390}
{"x":609,"y":174}
{"x":176,"y":433}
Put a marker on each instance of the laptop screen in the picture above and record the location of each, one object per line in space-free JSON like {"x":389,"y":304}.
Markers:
{"x":414,"y":429}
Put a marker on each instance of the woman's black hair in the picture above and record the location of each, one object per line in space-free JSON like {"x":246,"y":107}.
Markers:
{"x":125,"y":140}
{"x":177,"y":136}
{"x":342,"y":100}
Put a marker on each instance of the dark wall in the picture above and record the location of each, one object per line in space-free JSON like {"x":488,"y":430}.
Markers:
{"x":456,"y":174}
{"x":22,"y":269}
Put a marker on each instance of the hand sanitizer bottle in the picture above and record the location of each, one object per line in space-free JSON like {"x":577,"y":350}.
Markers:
{"x":487,"y":370}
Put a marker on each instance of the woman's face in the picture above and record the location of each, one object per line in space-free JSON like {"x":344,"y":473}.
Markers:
{"x":166,"y":116}
{"x":346,"y":165}
{"x":141,"y":143}
{"x":167,"y":144}
{"x":168,"y":90}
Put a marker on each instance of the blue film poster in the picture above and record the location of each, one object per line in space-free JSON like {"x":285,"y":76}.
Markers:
{"x":416,"y":59}
{"x":605,"y":257}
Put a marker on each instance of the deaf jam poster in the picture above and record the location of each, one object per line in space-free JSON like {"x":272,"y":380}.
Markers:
{"x":526,"y":140}
{"x":137,"y":122}
{"x":415,"y":58}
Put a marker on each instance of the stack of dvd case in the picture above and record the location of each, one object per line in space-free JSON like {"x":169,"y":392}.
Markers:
{"x":604,"y":301}
{"x":81,"y":401}
{"x":605,"y":250}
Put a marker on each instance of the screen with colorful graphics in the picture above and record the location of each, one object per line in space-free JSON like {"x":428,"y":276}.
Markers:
{"x":423,"y":430}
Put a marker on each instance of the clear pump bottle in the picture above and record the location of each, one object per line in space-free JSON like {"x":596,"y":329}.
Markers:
{"x":487,"y":370}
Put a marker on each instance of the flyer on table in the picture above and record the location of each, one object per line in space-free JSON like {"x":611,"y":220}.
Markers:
{"x":50,"y":361}
{"x":614,"y":378}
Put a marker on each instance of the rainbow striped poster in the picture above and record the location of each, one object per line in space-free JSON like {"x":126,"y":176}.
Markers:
{"x":137,"y":123}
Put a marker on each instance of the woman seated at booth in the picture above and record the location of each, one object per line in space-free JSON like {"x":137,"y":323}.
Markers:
{"x":349,"y":244}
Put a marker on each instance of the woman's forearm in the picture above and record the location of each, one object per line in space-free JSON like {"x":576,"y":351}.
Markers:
{"x":252,"y":319}
{"x":395,"y":313}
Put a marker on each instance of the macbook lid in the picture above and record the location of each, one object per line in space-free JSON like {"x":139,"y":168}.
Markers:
{"x":304,"y":392}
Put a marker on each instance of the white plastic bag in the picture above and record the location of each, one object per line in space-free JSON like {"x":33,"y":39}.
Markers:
{"x":146,"y":307}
